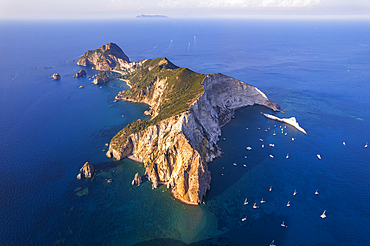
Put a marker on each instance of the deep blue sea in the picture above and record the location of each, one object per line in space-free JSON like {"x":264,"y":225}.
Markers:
{"x":317,"y":71}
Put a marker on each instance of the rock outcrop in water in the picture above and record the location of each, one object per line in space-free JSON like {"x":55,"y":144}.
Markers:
{"x":86,"y":171}
{"x":81,"y":73}
{"x":101,"y":78}
{"x":105,"y":58}
{"x":137,"y":180}
{"x":55,"y":76}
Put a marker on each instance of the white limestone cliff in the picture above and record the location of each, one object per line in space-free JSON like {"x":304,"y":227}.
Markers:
{"x":175,"y":151}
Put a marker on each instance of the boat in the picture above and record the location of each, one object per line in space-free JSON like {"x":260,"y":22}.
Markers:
{"x":287,"y":156}
{"x":262,"y":201}
{"x":244,"y":165}
{"x":273,"y":243}
{"x":344,"y":143}
{"x":234,"y":164}
{"x":323,"y":215}
{"x":258,"y":128}
{"x":246,"y":201}
{"x":288,"y":204}
{"x":283,"y":225}
{"x":270,"y":188}
{"x":316,"y":192}
{"x":271,"y":156}
{"x":249,"y":148}
{"x":318,"y":156}
{"x":274,"y":133}
{"x":293,"y":139}
{"x":295,"y":192}
{"x":255,"y":205}
{"x":286,"y":134}
{"x":244,"y":219}
{"x":263,"y":146}
{"x":272,"y":145}
{"x":245,"y":157}
{"x":366,"y":145}
{"x":261,"y":139}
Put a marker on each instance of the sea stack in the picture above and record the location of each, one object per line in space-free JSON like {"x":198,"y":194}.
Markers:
{"x":101,"y":78}
{"x":55,"y":76}
{"x":81,"y":73}
{"x":137,"y":180}
{"x":86,"y":171}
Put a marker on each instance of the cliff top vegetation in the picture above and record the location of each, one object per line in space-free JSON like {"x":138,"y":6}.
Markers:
{"x":182,"y":88}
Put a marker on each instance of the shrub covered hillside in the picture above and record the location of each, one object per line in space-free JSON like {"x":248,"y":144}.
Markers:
{"x":180,"y":87}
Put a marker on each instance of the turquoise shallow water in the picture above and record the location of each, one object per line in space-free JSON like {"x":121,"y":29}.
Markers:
{"x":316,"y":70}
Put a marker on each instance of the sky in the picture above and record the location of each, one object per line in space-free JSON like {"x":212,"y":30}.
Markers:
{"x":112,"y":9}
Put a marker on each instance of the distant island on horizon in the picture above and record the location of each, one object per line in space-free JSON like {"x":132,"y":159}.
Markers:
{"x":151,"y":16}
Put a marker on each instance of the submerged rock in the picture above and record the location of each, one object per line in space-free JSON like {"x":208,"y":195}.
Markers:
{"x":83,"y":192}
{"x":55,"y":76}
{"x":87,"y":171}
{"x":81,"y":73}
{"x":137,"y":180}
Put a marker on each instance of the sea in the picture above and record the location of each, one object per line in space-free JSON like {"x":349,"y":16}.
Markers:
{"x":316,"y":70}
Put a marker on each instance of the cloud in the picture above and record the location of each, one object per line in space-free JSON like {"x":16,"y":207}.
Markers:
{"x":238,"y":3}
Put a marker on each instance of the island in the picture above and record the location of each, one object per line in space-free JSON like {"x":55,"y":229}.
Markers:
{"x":188,"y":110}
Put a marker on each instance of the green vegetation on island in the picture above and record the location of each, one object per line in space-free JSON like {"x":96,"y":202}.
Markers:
{"x":182,"y":88}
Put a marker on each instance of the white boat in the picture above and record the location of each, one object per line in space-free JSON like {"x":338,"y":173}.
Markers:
{"x":316,"y":192}
{"x":323,"y":215}
{"x":262,"y":201}
{"x":258,"y":128}
{"x":286,"y":134}
{"x":274,"y":133}
{"x":255,"y":205}
{"x":366,"y":145}
{"x":283,"y":225}
{"x":244,"y":165}
{"x":273,"y":243}
{"x":270,"y":188}
{"x":234,"y":164}
{"x":245,"y":157}
{"x":293,"y":139}
{"x":246,"y":201}
{"x":318,"y":156}
{"x":249,"y":148}
{"x":244,"y":219}
{"x":263,"y":146}
{"x":271,"y":156}
{"x":272,"y":145}
{"x":287,"y":156}
{"x":261,"y":139}
{"x":288,"y":204}
{"x":295,"y":192}
{"x":344,"y":143}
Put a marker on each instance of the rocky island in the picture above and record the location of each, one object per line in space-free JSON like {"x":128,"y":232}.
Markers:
{"x":188,"y":110}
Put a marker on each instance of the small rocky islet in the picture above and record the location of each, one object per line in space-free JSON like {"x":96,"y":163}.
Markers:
{"x":188,"y":110}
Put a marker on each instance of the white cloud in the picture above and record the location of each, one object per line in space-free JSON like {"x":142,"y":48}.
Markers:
{"x":238,"y":3}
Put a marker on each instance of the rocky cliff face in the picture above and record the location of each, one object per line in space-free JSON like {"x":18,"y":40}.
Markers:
{"x":176,"y":150}
{"x":105,"y":58}
{"x":101,"y":78}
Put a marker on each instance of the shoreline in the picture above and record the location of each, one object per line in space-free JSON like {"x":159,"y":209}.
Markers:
{"x":132,"y":157}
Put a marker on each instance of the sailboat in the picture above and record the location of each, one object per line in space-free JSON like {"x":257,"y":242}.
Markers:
{"x":323,"y":215}
{"x":316,"y":192}
{"x":255,"y":205}
{"x":246,"y":201}
{"x":262,"y":201}
{"x":288,"y":204}
{"x":318,"y":156}
{"x":283,"y":225}
{"x":295,"y":192}
{"x":270,"y":188}
{"x":287,"y":156}
{"x":366,"y":145}
{"x":273,"y":243}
